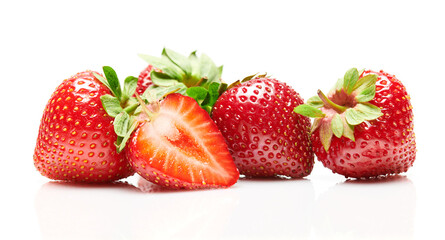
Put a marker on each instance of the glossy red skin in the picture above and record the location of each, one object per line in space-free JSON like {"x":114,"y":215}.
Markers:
{"x":170,"y":161}
{"x":144,"y":80}
{"x":76,"y":136}
{"x":382,"y":146}
{"x":265,"y":137}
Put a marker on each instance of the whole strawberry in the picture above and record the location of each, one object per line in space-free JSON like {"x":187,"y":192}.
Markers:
{"x":364,"y":127}
{"x":265,"y":137}
{"x":76,"y":140}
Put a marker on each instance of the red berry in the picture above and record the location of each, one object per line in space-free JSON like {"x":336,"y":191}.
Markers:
{"x":144,"y":80}
{"x":181,"y":147}
{"x":265,"y":137}
{"x":76,"y":136}
{"x":384,"y":144}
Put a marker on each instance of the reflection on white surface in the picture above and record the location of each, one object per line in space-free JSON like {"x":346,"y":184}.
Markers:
{"x":122,"y":211}
{"x":272,"y":209}
{"x":183,"y":215}
{"x":251,"y":209}
{"x":379,"y":209}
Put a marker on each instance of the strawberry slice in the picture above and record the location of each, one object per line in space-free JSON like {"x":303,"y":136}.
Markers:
{"x":179,"y":146}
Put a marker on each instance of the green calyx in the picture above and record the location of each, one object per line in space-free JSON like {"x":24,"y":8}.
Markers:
{"x":346,"y":106}
{"x":248,"y":78}
{"x":193,"y":76}
{"x":120,"y":104}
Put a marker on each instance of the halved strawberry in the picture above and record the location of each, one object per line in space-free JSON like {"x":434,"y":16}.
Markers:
{"x":179,"y":146}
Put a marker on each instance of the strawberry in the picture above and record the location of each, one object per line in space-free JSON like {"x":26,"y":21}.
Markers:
{"x":364,"y":127}
{"x":75,"y":140}
{"x":193,"y":76}
{"x":265,"y":137}
{"x":177,"y":145}
{"x":144,"y":80}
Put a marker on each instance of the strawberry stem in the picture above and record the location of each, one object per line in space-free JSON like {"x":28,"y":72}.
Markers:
{"x":328,"y":103}
{"x":173,"y":91}
{"x":130,"y":109}
{"x":144,"y":107}
{"x":200,"y":81}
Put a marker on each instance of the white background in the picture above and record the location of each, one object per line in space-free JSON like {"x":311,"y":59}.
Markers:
{"x":308,"y":44}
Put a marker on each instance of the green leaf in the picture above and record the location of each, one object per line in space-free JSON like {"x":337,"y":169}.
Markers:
{"x":193,"y":56}
{"x":339,"y":84}
{"x":315,"y":102}
{"x":350,"y":78}
{"x":220,"y":70}
{"x":348,"y":130}
{"x":316,"y":124}
{"x":248,"y":78}
{"x":118,"y":142}
{"x":326,"y":135}
{"x":165,"y":65}
{"x":364,"y":89}
{"x":337,"y":125}
{"x":121,"y":122}
{"x":194,"y":62}
{"x":130,"y":86}
{"x":309,"y":111}
{"x":131,"y":108}
{"x":138,"y":110}
{"x":150,"y":94}
{"x":353,"y":116}
{"x":111,"y":105}
{"x":162,"y":79}
{"x":368,"y":111}
{"x":197,"y":93}
{"x":362,"y":112}
{"x":124,"y":140}
{"x":233,"y":84}
{"x":366,"y":95}
{"x":209,"y":69}
{"x":102,"y":80}
{"x":213,"y":94}
{"x":179,"y":60}
{"x":155,"y":93}
{"x":113,"y":81}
